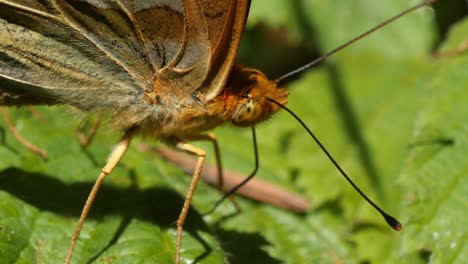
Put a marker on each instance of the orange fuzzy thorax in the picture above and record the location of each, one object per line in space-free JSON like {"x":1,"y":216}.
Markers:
{"x":245,"y":99}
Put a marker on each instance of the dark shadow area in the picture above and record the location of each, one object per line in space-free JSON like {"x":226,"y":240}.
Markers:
{"x":350,"y":121}
{"x":363,"y":226}
{"x":349,"y":118}
{"x":304,"y":24}
{"x":311,"y":42}
{"x":206,"y":247}
{"x":425,"y":255}
{"x":285,"y":145}
{"x":285,"y":142}
{"x":4,"y":143}
{"x":333,"y":206}
{"x":447,"y":13}
{"x":226,"y":218}
{"x":2,"y":136}
{"x":275,"y":52}
{"x":245,"y":248}
{"x":294,"y":175}
{"x":159,"y":205}
{"x":443,"y":142}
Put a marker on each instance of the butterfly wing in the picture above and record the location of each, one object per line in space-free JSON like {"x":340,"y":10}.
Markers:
{"x":225,"y":32}
{"x":98,"y":53}
{"x":43,"y":56}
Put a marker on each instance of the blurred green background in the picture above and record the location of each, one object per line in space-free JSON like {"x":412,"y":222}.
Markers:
{"x":392,"y":113}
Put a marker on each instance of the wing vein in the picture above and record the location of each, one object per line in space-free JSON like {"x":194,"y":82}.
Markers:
{"x":136,"y":25}
{"x":79,"y":28}
{"x":28,"y":10}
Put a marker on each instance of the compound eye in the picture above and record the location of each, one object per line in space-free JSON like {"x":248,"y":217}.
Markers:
{"x":247,"y":114}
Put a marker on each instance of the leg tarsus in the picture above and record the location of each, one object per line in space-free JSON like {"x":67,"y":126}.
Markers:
{"x":113,"y":160}
{"x":188,"y":199}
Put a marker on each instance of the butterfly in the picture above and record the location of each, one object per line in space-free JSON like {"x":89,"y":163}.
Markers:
{"x":162,"y":69}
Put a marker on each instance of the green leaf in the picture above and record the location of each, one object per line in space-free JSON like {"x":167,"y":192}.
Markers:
{"x":434,"y":175}
{"x":381,"y":107}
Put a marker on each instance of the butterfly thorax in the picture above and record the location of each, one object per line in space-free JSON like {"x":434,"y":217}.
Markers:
{"x":244,"y":101}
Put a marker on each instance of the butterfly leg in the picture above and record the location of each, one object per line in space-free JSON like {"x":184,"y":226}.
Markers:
{"x":212,"y":138}
{"x":17,"y":135}
{"x":85,"y":140}
{"x":193,"y":185}
{"x":114,"y":158}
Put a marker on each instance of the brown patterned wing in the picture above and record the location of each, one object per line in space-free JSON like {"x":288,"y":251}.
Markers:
{"x":193,"y":44}
{"x":113,"y":26}
{"x":45,"y":59}
{"x":226,"y":22}
{"x":176,"y":40}
{"x":117,"y":48}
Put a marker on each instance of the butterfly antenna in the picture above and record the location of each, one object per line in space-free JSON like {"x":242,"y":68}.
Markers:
{"x":252,"y":174}
{"x":392,"y":221}
{"x":363,"y":35}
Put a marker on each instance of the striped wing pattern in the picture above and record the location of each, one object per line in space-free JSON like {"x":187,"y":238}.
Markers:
{"x":97,"y":54}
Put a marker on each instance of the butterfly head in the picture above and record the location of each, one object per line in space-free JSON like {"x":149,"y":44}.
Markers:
{"x":253,"y":99}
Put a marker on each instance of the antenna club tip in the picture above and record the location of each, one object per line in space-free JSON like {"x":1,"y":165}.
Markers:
{"x":391,"y":221}
{"x":398,"y":227}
